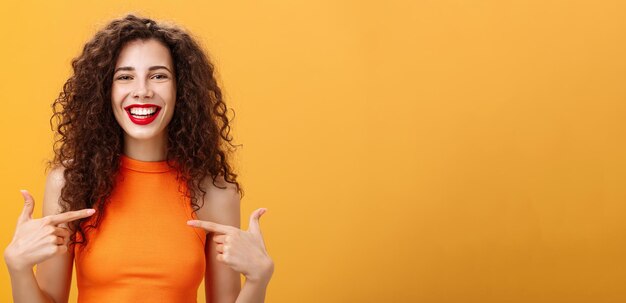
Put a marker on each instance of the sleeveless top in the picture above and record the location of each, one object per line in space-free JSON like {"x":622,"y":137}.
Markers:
{"x":143,"y":250}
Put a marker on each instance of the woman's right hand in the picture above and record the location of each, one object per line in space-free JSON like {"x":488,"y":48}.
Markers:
{"x":36,"y":240}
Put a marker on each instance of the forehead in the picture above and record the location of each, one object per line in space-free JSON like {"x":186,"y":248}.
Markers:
{"x":144,"y":53}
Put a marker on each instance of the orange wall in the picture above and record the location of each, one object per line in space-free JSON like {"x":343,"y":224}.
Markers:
{"x":407,"y":151}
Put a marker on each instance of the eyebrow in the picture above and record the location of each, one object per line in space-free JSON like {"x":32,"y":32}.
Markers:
{"x":151,"y":68}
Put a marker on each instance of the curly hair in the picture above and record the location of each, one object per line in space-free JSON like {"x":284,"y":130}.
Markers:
{"x":89,"y":141}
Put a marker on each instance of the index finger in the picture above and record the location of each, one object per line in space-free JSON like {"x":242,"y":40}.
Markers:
{"x":70,"y":216}
{"x":212,"y":227}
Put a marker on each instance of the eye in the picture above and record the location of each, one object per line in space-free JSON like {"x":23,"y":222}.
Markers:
{"x":123,"y":77}
{"x":160,"y":76}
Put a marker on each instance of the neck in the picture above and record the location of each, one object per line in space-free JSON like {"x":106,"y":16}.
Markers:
{"x":153,"y":149}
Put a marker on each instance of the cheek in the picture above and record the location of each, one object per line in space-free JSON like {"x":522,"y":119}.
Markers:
{"x":169,"y":95}
{"x":116,"y":96}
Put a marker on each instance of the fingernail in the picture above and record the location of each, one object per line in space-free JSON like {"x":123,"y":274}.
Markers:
{"x":190,"y":222}
{"x":91,"y":211}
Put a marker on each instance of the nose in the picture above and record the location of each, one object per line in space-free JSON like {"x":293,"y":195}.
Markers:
{"x":142,"y":91}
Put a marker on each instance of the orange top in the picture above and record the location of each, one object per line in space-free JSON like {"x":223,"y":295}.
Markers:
{"x":143,"y":250}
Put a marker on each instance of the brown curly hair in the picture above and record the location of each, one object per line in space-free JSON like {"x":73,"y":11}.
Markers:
{"x":88,"y":140}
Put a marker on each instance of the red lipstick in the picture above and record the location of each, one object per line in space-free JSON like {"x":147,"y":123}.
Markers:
{"x":142,"y":114}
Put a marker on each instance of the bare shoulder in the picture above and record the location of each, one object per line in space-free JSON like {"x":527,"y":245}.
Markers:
{"x":221,"y":202}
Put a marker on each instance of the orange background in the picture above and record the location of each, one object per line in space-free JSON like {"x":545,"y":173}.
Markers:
{"x":407,"y":151}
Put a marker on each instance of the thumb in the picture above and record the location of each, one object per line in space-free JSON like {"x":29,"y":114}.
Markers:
{"x":29,"y":206}
{"x":254,"y":226}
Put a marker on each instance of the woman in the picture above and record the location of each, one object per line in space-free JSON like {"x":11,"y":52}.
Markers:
{"x":141,"y":195}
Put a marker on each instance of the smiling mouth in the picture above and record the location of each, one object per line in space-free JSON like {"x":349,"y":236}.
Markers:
{"x":142,"y":114}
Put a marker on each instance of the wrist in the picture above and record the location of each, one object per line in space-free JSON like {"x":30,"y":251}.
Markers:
{"x":264,"y":275}
{"x":13,"y":264}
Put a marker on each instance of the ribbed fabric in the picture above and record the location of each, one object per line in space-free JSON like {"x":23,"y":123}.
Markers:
{"x":143,"y":251}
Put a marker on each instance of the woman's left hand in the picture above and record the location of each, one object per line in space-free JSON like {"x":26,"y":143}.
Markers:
{"x":243,"y":251}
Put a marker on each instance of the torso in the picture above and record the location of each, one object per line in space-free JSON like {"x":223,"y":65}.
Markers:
{"x":143,"y":250}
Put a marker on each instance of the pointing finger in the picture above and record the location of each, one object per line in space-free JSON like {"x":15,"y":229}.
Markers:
{"x":71,"y":216}
{"x":212,"y":227}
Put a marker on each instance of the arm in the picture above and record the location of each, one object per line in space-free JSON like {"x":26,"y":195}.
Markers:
{"x":25,"y":288}
{"x":253,"y":291}
{"x":229,"y":250}
{"x":53,"y":275}
{"x":221,"y":284}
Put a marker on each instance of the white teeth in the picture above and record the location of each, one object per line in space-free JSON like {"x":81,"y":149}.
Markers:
{"x":142,"y":111}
